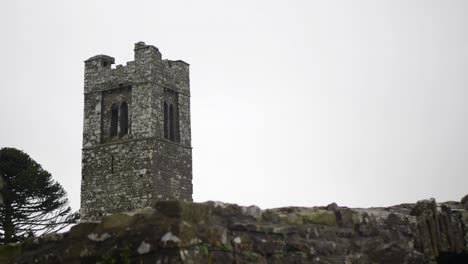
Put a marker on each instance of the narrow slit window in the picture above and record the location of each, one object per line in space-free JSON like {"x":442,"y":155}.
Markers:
{"x":114,"y":120}
{"x":166,"y":125}
{"x":171,"y":123}
{"x":123,"y":119}
{"x":176,"y":126}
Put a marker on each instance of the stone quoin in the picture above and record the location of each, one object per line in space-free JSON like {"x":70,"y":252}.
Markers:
{"x":136,"y":133}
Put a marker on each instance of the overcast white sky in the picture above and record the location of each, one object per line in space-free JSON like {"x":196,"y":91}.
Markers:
{"x":293,"y":102}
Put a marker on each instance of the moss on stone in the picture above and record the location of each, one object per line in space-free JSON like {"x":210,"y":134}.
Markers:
{"x":82,"y":229}
{"x":464,"y":201}
{"x":115,"y":221}
{"x":356,"y":219}
{"x":270,"y":216}
{"x":187,"y":211}
{"x":278,"y":257}
{"x":224,"y":247}
{"x":204,"y":249}
{"x":203,"y":234}
{"x":319,"y":217}
{"x":108,"y":259}
{"x":290,"y":219}
{"x":464,"y":217}
{"x":9,"y":251}
{"x":250,"y":255}
{"x":298,"y":254}
{"x":125,"y":255}
{"x":186,"y":232}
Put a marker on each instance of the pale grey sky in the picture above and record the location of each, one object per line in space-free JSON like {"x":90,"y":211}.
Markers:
{"x":293,"y":102}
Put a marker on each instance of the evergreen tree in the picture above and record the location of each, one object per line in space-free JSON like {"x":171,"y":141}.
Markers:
{"x":33,"y":204}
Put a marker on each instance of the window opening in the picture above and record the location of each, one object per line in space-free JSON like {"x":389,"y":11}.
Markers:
{"x":114,"y":120}
{"x":171,"y":123}
{"x":112,"y":164}
{"x":166,"y":125}
{"x":123,"y":119}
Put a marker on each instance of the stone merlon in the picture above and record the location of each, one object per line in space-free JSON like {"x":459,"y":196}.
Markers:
{"x":147,"y":66}
{"x":101,"y":57}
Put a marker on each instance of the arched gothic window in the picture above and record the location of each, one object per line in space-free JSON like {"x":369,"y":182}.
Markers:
{"x":114,"y":120}
{"x":123,"y":119}
{"x":166,"y":119}
{"x":171,"y":115}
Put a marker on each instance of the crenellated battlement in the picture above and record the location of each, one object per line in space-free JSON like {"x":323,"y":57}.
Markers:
{"x":147,"y":66}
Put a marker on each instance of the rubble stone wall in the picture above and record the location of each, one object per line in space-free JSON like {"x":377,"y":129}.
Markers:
{"x":214,"y":232}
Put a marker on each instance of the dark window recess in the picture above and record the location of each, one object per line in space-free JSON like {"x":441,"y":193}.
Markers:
{"x":112,"y":164}
{"x":114,"y":120}
{"x":452,"y":258}
{"x":171,"y":123}
{"x":171,"y":115}
{"x":123,"y":119}
{"x":176,"y":125}
{"x":166,"y":117}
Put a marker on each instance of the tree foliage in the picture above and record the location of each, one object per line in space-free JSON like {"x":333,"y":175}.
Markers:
{"x":33,"y":204}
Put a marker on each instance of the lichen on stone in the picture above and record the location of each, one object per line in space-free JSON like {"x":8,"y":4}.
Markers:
{"x":144,"y":248}
{"x":319,"y":217}
{"x":181,"y":232}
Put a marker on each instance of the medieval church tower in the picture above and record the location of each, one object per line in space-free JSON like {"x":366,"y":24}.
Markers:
{"x":136,"y":135}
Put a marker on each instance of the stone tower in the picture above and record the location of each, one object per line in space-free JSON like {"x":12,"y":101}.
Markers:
{"x":136,"y":133}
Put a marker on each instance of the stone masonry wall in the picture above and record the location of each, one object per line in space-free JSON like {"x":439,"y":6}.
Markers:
{"x":126,"y":186}
{"x":167,"y":165}
{"x":213,"y":232}
{"x":173,"y":164}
